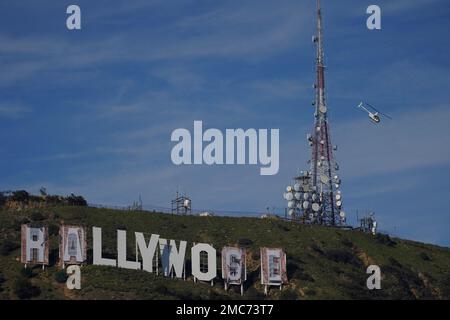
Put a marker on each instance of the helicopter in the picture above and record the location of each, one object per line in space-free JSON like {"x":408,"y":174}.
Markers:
{"x":373,"y":113}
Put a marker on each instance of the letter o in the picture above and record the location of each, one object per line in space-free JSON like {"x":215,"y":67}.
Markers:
{"x":212,"y":262}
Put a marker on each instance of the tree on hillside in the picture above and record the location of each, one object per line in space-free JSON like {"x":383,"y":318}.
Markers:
{"x":20,"y":196}
{"x":43,"y":191}
{"x":2,"y":199}
{"x":74,"y":200}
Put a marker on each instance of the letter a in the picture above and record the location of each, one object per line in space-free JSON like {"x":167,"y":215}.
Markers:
{"x":74,"y":20}
{"x":374,"y":281}
{"x":374,"y":21}
{"x":74,"y":279}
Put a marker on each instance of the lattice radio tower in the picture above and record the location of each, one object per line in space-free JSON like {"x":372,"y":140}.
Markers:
{"x":315,"y":196}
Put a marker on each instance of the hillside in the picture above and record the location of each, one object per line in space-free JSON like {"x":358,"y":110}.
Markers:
{"x":323,"y":263}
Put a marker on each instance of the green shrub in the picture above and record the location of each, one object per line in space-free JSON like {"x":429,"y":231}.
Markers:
{"x":424,"y":256}
{"x":2,"y":280}
{"x":289,"y":294}
{"x":74,"y":200}
{"x":53,"y":200}
{"x":20,"y":196}
{"x":53,"y":229}
{"x":254,"y":294}
{"x":310,"y":292}
{"x":316,"y":248}
{"x":60,"y":276}
{"x":18,"y":223}
{"x":2,"y":199}
{"x":394,"y":263}
{"x":25,"y":290}
{"x":305,"y":276}
{"x":348,"y":243}
{"x":37,"y":216}
{"x":292,"y":269}
{"x":244,"y":242}
{"x":343,"y":256}
{"x":445,"y":290}
{"x":7,"y":247}
{"x":385,"y":239}
{"x":27,"y":273}
{"x":283,"y":227}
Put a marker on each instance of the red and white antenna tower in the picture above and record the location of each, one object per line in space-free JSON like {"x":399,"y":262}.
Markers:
{"x":315,"y":196}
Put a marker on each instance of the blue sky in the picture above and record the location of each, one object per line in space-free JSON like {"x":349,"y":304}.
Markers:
{"x":91,"y":111}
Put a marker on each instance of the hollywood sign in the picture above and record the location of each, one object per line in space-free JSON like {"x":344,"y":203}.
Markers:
{"x":170,"y":257}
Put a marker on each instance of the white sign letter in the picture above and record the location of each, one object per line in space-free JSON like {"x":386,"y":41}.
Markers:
{"x":122,"y":261}
{"x":97,"y":239}
{"x":172,"y":258}
{"x":73,"y":244}
{"x":374,"y":281}
{"x":74,"y":279}
{"x":147,"y":252}
{"x":212,"y":263}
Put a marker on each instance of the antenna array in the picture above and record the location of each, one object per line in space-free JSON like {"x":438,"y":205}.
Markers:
{"x":315,"y":196}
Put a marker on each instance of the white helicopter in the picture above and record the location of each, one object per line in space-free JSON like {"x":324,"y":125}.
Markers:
{"x":373,"y":113}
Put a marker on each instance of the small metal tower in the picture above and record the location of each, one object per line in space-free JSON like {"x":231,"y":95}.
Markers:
{"x":315,"y":196}
{"x":181,"y":205}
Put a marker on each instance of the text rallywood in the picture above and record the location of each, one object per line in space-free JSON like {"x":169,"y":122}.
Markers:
{"x":151,"y":253}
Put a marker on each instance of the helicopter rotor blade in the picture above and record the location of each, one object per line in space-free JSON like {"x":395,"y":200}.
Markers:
{"x":372,"y":107}
{"x":376,"y":110}
{"x":361,"y":105}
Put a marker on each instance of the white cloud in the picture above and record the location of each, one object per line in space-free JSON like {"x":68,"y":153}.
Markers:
{"x":180,"y":77}
{"x":13,"y":111}
{"x":247,"y":32}
{"x":398,"y":6}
